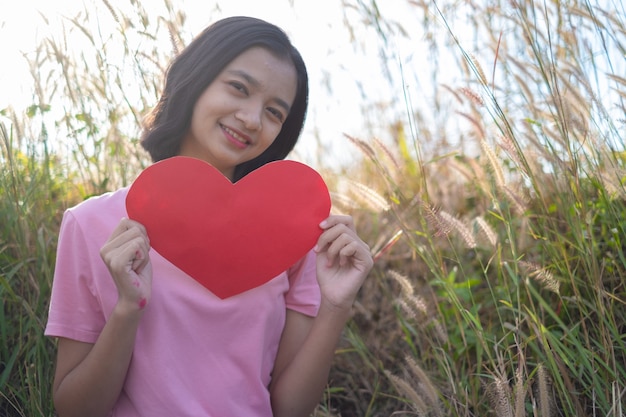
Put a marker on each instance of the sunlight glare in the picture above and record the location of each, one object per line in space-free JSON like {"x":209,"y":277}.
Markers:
{"x":21,"y":28}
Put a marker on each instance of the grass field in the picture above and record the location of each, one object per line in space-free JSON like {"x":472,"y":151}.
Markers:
{"x":500,"y":280}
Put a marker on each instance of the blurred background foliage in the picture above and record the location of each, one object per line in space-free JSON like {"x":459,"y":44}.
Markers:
{"x":487,"y":177}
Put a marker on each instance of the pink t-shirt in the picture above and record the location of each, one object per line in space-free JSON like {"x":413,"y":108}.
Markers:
{"x":195,"y":355}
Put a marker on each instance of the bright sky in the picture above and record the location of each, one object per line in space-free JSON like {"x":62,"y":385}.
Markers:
{"x":315,"y":27}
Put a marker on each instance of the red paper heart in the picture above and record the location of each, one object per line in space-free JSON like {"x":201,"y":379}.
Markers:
{"x":229,"y":237}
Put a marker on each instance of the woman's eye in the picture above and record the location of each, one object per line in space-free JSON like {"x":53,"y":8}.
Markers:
{"x":277,"y":114}
{"x":239,"y":87}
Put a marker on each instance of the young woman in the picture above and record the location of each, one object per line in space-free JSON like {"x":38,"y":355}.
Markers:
{"x":138,"y":337}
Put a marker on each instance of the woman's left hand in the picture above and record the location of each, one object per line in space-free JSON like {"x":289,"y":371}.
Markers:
{"x":343,"y":261}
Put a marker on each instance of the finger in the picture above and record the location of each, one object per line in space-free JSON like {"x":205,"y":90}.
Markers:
{"x":136,"y":251}
{"x":347,"y":252}
{"x":330,"y":235}
{"x":347,"y":249}
{"x":126,"y":232}
{"x":141,"y":258}
{"x":357,"y":252}
{"x":121,"y":254}
{"x":335,"y":220}
{"x":334,"y":246}
{"x":126,"y":225}
{"x":130,"y":224}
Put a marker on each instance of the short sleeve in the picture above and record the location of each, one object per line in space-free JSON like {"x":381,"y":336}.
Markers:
{"x":75,"y":310}
{"x":304,"y":291}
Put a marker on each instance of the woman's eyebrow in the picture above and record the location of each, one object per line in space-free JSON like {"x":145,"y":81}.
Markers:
{"x":255,"y":83}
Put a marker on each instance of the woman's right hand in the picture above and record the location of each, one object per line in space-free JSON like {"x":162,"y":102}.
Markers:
{"x":126,"y":256}
{"x":89,"y":377}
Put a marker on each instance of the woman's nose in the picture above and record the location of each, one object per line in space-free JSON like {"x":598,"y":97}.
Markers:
{"x":250,"y":116}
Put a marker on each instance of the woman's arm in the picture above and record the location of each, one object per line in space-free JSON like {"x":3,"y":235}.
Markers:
{"x":89,"y":377}
{"x":303,"y":362}
{"x":308,"y":345}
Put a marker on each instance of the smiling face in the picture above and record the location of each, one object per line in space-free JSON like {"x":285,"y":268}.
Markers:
{"x":242,"y":111}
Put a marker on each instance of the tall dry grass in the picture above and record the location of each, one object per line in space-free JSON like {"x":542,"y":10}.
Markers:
{"x":508,"y":280}
{"x":91,"y":86}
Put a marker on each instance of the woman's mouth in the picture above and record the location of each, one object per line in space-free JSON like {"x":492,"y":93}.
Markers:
{"x":236,"y":137}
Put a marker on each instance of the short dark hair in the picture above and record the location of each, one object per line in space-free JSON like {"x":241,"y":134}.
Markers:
{"x":195,"y":68}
